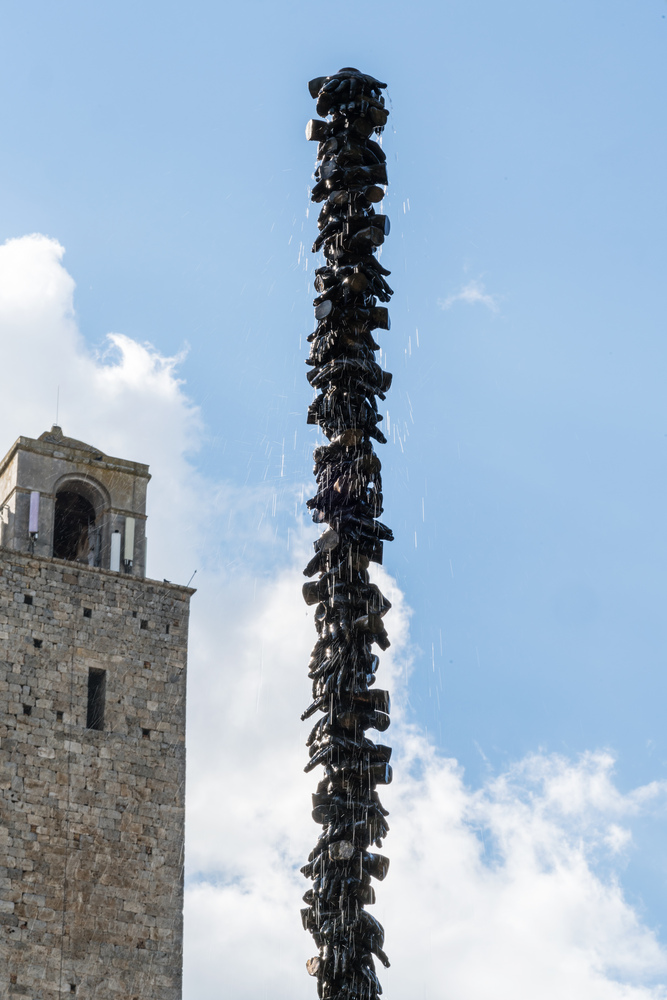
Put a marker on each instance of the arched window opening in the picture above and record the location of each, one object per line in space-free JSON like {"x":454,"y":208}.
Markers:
{"x":75,"y":536}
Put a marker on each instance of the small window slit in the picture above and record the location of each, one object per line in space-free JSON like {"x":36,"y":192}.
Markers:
{"x":97,"y":683}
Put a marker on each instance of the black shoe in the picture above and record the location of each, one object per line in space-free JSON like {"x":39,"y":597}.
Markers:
{"x":317,"y":130}
{"x":314,"y":86}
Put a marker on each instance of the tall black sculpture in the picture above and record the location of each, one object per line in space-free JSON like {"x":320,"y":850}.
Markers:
{"x":349,"y":611}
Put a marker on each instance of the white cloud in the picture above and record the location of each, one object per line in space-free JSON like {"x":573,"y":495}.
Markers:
{"x":472,"y":294}
{"x":126,"y":400}
{"x":509,"y":891}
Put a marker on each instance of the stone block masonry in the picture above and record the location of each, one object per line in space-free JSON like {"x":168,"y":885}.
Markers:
{"x":92,"y":781}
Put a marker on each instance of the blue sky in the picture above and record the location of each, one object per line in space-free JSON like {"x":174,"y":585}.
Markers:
{"x":162,"y":145}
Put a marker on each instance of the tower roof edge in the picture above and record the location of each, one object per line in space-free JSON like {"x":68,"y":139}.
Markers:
{"x":54,"y":441}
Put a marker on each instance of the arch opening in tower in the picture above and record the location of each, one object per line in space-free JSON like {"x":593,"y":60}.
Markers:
{"x":75,"y":536}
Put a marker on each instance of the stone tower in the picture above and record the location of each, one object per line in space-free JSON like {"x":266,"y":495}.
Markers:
{"x":92,"y":732}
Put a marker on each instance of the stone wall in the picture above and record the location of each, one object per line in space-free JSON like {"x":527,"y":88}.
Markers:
{"x":91,"y":822}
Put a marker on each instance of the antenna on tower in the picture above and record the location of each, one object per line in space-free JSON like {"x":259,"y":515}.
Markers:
{"x":57,"y":405}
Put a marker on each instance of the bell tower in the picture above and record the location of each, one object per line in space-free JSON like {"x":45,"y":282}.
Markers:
{"x":63,"y":498}
{"x":93,"y":660}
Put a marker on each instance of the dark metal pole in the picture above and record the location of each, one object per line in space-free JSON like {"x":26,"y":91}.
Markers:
{"x":349,"y":611}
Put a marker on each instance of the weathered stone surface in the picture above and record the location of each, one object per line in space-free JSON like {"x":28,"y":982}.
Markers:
{"x":91,"y":822}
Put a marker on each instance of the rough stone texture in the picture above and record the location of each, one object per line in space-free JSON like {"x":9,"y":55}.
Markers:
{"x":91,"y":822}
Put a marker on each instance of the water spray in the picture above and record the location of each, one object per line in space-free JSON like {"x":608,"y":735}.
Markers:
{"x":350,"y":180}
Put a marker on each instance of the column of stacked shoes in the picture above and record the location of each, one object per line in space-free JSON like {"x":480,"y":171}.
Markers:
{"x":349,"y":609}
